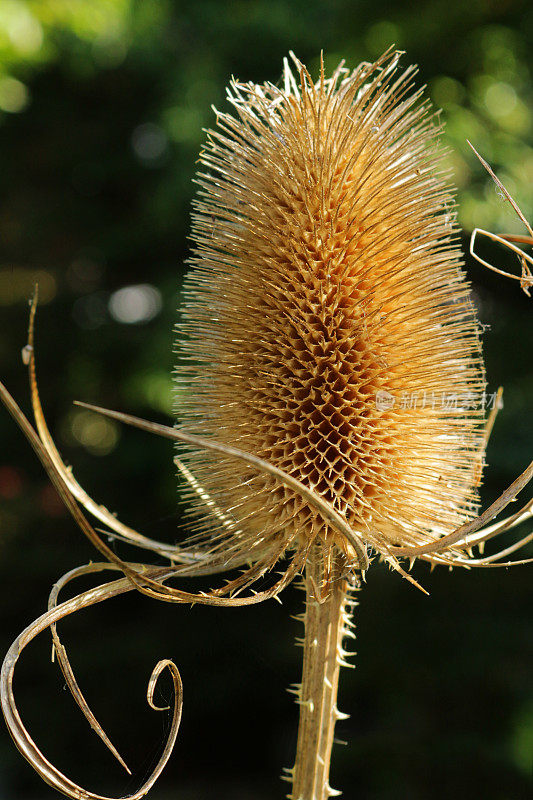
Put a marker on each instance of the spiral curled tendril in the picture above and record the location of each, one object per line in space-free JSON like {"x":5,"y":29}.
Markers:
{"x":48,"y":772}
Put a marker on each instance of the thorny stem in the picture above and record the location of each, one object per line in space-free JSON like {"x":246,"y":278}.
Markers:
{"x":327,"y":621}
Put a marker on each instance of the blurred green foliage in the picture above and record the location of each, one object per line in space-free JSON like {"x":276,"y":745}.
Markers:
{"x":475,"y":61}
{"x":102,"y":105}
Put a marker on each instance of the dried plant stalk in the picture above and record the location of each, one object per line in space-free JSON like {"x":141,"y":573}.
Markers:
{"x":327,"y":622}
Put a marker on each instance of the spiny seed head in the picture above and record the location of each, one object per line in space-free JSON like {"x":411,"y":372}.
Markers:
{"x":328,"y":326}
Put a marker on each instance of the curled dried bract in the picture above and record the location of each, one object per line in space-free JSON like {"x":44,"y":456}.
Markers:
{"x":507,"y":240}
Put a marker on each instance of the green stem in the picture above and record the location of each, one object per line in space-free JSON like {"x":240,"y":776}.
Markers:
{"x":326,"y":622}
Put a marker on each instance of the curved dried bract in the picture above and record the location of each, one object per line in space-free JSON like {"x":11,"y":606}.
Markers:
{"x":520,"y":516}
{"x":488,"y":561}
{"x":485,"y":535}
{"x":117,"y":528}
{"x":157,"y":575}
{"x":139,"y":578}
{"x":62,"y":657}
{"x":21,"y":736}
{"x":460,"y":536}
{"x":459,"y":540}
{"x":330,"y":515}
{"x":59,"y":651}
{"x":526,"y":278}
{"x":150,"y":580}
{"x":61,"y":485}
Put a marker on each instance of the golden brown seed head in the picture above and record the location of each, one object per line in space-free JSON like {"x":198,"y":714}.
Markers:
{"x":328,"y":326}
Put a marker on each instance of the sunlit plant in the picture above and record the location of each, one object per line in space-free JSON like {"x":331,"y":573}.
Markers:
{"x":331,"y":404}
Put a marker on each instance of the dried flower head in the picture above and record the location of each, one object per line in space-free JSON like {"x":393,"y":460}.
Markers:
{"x":328,"y":322}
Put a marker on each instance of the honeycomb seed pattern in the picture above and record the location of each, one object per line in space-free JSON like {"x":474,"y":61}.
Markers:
{"x":325,"y":276}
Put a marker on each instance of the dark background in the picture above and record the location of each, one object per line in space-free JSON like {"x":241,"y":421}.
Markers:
{"x":101,"y":109}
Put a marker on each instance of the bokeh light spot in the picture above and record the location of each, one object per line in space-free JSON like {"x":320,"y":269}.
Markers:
{"x":183,"y":124}
{"x":500,"y":99}
{"x":17,"y":284}
{"x":133,"y":305}
{"x":149,"y":142}
{"x":382,"y":35}
{"x":23,"y":29}
{"x":446,"y":91}
{"x":14,"y":95}
{"x":98,"y":435}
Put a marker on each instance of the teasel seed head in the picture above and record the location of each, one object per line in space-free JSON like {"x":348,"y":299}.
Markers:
{"x":327,"y":325}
